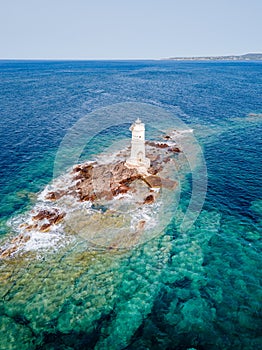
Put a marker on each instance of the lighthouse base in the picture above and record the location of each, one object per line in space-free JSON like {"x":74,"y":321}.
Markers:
{"x":140,"y":166}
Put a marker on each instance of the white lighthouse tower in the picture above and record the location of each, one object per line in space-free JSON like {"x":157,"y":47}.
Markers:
{"x":138,"y":152}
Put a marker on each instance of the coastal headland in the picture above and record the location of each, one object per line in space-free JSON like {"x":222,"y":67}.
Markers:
{"x":246,"y":57}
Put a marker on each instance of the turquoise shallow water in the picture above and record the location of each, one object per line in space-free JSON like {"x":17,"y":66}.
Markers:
{"x":196,"y":289}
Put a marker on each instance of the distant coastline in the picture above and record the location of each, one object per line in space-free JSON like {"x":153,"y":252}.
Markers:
{"x":246,"y":57}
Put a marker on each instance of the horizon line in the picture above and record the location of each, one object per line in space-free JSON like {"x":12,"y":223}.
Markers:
{"x":126,"y":59}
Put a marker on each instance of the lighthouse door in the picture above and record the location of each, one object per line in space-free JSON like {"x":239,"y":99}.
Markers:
{"x":140,"y":157}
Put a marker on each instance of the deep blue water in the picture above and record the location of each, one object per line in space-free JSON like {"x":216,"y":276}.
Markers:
{"x":41,"y":101}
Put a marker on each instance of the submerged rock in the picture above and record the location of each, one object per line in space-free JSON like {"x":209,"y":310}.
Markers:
{"x":157,"y":144}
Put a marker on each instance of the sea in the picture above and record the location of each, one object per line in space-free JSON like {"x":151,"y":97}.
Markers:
{"x":196,"y":283}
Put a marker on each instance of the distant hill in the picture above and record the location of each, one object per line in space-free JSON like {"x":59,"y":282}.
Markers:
{"x":246,"y":57}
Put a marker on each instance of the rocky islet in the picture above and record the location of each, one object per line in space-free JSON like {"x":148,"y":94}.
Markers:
{"x":97,"y":183}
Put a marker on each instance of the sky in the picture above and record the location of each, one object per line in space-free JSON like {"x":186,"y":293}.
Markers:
{"x":128,"y":29}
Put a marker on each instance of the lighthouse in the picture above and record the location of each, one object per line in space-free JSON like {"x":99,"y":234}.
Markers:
{"x":138,"y":152}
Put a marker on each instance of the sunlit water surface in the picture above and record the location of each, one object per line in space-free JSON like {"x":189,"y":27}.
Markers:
{"x":196,"y":289}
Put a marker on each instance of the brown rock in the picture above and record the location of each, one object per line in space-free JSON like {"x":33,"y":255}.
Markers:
{"x":86,"y":171}
{"x":107,"y":180}
{"x":87,"y":197}
{"x":77,"y":168}
{"x":152,"y":171}
{"x":7,"y":252}
{"x":157,"y":144}
{"x":53,"y":218}
{"x":83,"y":167}
{"x":128,"y":180}
{"x":140,"y":225}
{"x":79,"y":177}
{"x":45,"y":227}
{"x":26,"y":238}
{"x":20,"y":239}
{"x":153,"y":181}
{"x":174,"y":149}
{"x":45,"y":214}
{"x":149,"y":199}
{"x":30,"y":227}
{"x":120,"y":189}
{"x":54,"y":195}
{"x":155,"y":168}
{"x":92,"y":197}
{"x":58,"y":218}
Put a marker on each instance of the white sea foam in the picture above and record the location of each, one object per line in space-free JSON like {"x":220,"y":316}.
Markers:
{"x":123,"y":196}
{"x":44,"y":240}
{"x":147,"y":213}
{"x":181,"y":133}
{"x":112,"y":154}
{"x":59,"y":184}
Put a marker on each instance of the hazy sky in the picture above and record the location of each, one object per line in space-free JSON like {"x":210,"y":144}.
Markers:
{"x":104,"y":29}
